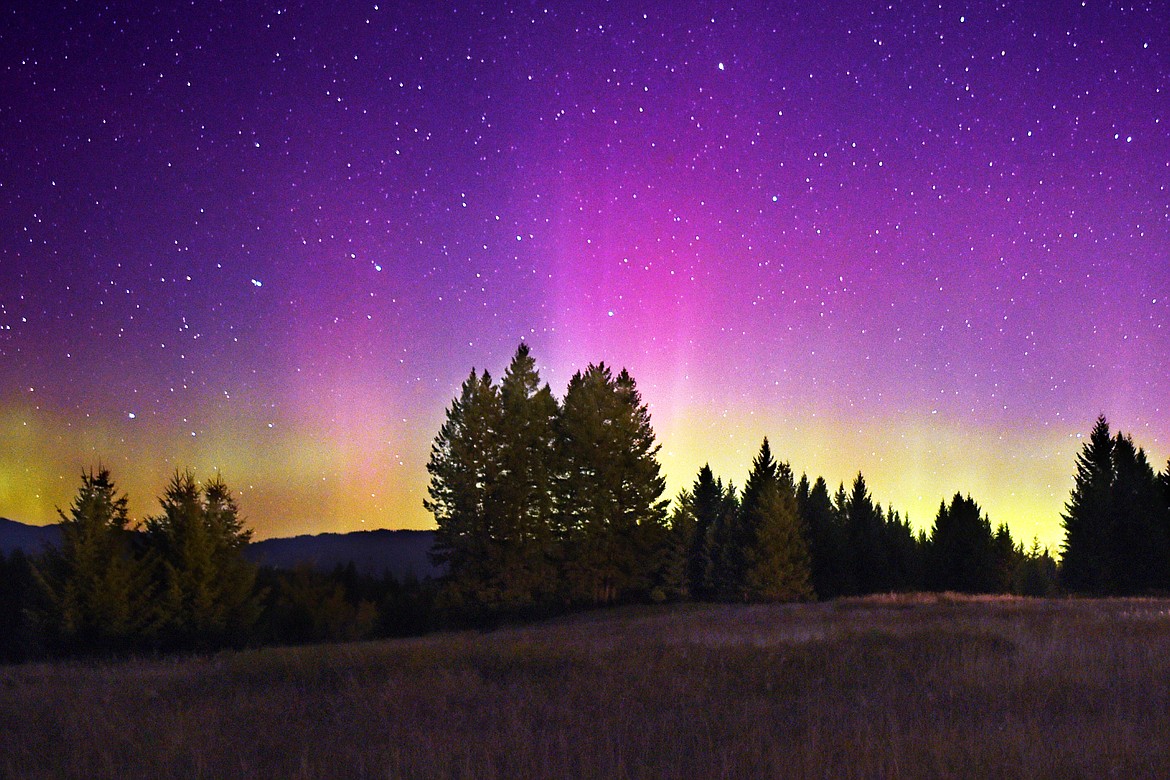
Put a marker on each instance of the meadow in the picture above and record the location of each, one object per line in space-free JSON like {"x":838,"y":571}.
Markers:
{"x":898,"y":686}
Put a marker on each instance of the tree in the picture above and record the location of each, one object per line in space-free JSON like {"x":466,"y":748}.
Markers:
{"x":206,"y":585}
{"x":711,"y":503}
{"x":673,"y":581}
{"x":1139,"y":554}
{"x":961,"y":554}
{"x":609,"y":488}
{"x":523,"y":496}
{"x":866,"y":531}
{"x":1085,"y":558}
{"x":762,"y":553}
{"x":94,"y":590}
{"x":903,"y":551}
{"x":827,"y":539}
{"x":738,"y":538}
{"x":1117,"y":520}
{"x":464,"y":468}
{"x":1036,"y":572}
{"x":779,"y":564}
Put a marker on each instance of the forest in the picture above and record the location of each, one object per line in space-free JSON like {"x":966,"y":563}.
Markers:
{"x":546,"y":505}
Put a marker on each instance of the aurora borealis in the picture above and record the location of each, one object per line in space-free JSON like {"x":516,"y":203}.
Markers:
{"x":927,"y":241}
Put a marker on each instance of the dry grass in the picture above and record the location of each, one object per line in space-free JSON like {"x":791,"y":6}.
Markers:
{"x":880,"y":687}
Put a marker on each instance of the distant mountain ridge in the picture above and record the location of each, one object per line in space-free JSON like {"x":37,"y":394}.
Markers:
{"x":31,"y":539}
{"x":399,"y":553}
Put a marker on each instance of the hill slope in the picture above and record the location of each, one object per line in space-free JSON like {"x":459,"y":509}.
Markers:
{"x":31,"y":539}
{"x":400,"y":553}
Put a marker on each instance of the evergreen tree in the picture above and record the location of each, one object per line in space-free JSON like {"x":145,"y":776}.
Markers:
{"x":866,"y":530}
{"x":1138,"y":543}
{"x":1036,"y":573}
{"x":1117,"y":521}
{"x":672,"y":581}
{"x":1007,"y":555}
{"x":848,"y":585}
{"x":94,"y":590}
{"x":710,"y":503}
{"x":1085,"y":562}
{"x":763,"y":555}
{"x":609,"y":488}
{"x":738,"y":543}
{"x":720,"y":581}
{"x":904,"y":552}
{"x":827,"y":540}
{"x":961,"y":553}
{"x":464,"y":468}
{"x":206,"y":585}
{"x":778,"y":568}
{"x":523,"y":496}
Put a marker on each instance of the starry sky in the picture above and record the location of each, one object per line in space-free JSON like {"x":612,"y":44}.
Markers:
{"x":929,"y":241}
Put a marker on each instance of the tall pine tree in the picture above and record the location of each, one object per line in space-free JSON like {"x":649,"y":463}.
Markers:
{"x":95,"y":590}
{"x":827,"y":539}
{"x":206,"y":593}
{"x":464,"y":468}
{"x":523,"y":495}
{"x":609,"y":488}
{"x":1085,"y":562}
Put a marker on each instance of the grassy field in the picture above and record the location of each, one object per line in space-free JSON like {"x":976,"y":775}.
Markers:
{"x":881,"y":687}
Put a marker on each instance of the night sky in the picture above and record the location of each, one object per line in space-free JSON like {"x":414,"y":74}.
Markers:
{"x":927,"y":241}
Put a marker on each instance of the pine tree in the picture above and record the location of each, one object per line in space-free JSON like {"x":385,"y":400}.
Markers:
{"x":779,"y":563}
{"x":205,"y":583}
{"x":1085,"y":562}
{"x":609,"y":488}
{"x":710,"y":502}
{"x":464,"y":468}
{"x":904,"y":551}
{"x":721,"y":580}
{"x":1140,"y":557}
{"x":827,"y":540}
{"x":961,"y":552}
{"x":523,"y":496}
{"x":866,"y":526}
{"x":1007,"y":556}
{"x":672,"y":581}
{"x":94,"y":589}
{"x":738,"y":543}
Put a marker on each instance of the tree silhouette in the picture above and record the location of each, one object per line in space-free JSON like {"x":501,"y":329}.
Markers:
{"x":464,"y":468}
{"x":827,"y":539}
{"x":1117,"y":520}
{"x":672,"y":581}
{"x":94,"y":590}
{"x":711,"y":504}
{"x":762,"y":553}
{"x":523,"y":494}
{"x":778,"y":567}
{"x":205,"y":583}
{"x":610,"y":487}
{"x":866,"y":530}
{"x":961,"y":553}
{"x":1085,"y":562}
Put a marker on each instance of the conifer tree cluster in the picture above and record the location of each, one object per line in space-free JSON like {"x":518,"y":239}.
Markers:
{"x":538,"y":501}
{"x":1117,"y":520}
{"x":181,"y":582}
{"x":546,"y":502}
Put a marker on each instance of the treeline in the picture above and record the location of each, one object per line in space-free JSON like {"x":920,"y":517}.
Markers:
{"x":1117,"y":521}
{"x":180,"y":581}
{"x":541,"y":502}
{"x":544,"y":505}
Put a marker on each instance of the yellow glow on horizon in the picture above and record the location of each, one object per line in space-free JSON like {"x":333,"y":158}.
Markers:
{"x":1019,"y":477}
